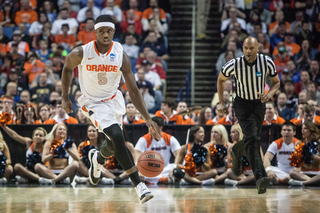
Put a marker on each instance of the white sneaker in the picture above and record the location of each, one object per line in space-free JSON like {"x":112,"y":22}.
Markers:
{"x":126,"y":182}
{"x":45,"y":181}
{"x":208,"y":182}
{"x":95,"y":167}
{"x":3,"y":180}
{"x":230,"y":182}
{"x":81,"y":180}
{"x":107,"y":181}
{"x":66,"y":181}
{"x":143,"y":192}
{"x":21,"y":179}
{"x":295,"y":182}
{"x":183,"y":182}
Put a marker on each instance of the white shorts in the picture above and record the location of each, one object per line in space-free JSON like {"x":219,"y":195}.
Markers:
{"x":280,"y":174}
{"x":103,"y":113}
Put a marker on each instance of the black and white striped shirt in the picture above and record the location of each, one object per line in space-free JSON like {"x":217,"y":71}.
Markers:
{"x":250,"y":78}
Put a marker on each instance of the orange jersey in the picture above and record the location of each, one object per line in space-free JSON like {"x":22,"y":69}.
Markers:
{"x":184,"y":120}
{"x":135,"y":121}
{"x":70,"y":120}
{"x":171,"y":119}
{"x":70,"y":39}
{"x":276,"y":120}
{"x":147,"y":13}
{"x":227,"y":121}
{"x":26,"y":16}
{"x":316,"y":120}
{"x":213,"y":121}
{"x":86,"y":36}
{"x":273,"y":24}
{"x":32,"y":70}
{"x":295,"y":119}
{"x":32,"y":122}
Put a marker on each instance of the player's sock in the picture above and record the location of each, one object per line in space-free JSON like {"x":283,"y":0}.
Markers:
{"x":135,"y":178}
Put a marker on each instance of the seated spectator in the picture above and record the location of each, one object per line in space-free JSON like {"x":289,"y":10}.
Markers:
{"x":42,"y":89}
{"x":87,"y":34}
{"x":37,"y":26}
{"x":167,"y":111}
{"x":141,"y":5}
{"x":161,"y":25}
{"x":57,"y":61}
{"x":299,"y":113}
{"x":155,"y":45}
{"x":142,"y":82}
{"x":264,"y":44}
{"x":89,"y":15}
{"x":303,"y":84}
{"x":130,"y":30}
{"x":265,"y":15}
{"x":7,"y":15}
{"x":279,"y":36}
{"x":282,"y":58}
{"x":48,"y":8}
{"x":82,"y":13}
{"x":28,"y":115}
{"x":22,"y":27}
{"x":274,"y":27}
{"x":205,"y":115}
{"x":218,"y":116}
{"x":57,"y":24}
{"x":285,"y":112}
{"x":230,"y":118}
{"x":7,"y":106}
{"x":130,"y":117}
{"x":154,"y":67}
{"x":12,"y":92}
{"x":313,"y":93}
{"x":314,"y":72}
{"x":232,"y":36}
{"x":311,"y":12}
{"x":291,"y":47}
{"x":303,"y":97}
{"x":133,"y":4}
{"x":147,"y":97}
{"x":33,"y":67}
{"x":152,"y":77}
{"x":44,"y":51}
{"x":52,"y":77}
{"x":227,"y":24}
{"x":129,"y":48}
{"x":26,"y":14}
{"x":45,"y":35}
{"x":315,"y":105}
{"x":271,"y":116}
{"x":292,"y":72}
{"x":67,"y":41}
{"x":296,"y":25}
{"x":186,"y":120}
{"x":228,"y":88}
{"x":112,"y":10}
{"x":222,"y":59}
{"x":240,"y":36}
{"x":255,"y":20}
{"x":148,"y":14}
{"x":61,"y":116}
{"x":23,"y":47}
{"x":308,"y":114}
{"x":71,"y":8}
{"x":21,"y":81}
{"x":131,"y":20}
{"x":25,"y":98}
{"x":142,"y":57}
{"x":304,"y":56}
{"x":292,"y":102}
{"x":305,"y":34}
{"x":82,"y":119}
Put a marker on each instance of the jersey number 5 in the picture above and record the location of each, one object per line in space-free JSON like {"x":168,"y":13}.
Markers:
{"x":102,"y":78}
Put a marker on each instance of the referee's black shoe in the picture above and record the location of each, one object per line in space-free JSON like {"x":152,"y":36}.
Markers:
{"x":236,"y":165}
{"x":262,"y":184}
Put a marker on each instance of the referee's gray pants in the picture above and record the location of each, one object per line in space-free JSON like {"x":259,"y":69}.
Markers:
{"x":250,"y":115}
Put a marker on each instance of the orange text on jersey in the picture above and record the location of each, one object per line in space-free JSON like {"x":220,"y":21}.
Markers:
{"x":102,"y":68}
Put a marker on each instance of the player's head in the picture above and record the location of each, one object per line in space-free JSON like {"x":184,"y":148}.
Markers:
{"x":159,"y":122}
{"x":105,"y":29}
{"x":250,"y":49}
{"x":308,"y":112}
{"x":196,"y":134}
{"x":288,"y":130}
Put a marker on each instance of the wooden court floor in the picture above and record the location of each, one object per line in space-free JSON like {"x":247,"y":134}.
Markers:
{"x":102,"y":199}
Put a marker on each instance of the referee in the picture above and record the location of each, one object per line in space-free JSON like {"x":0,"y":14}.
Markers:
{"x":250,"y":73}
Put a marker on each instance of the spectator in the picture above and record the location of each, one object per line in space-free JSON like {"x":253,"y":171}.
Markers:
{"x":308,"y":114}
{"x":67,"y":41}
{"x":230,"y":118}
{"x":20,"y":81}
{"x":241,"y":36}
{"x":262,"y":39}
{"x":159,"y":24}
{"x":7,"y":14}
{"x":303,"y":84}
{"x":33,"y":66}
{"x":45,"y":35}
{"x":130,"y":30}
{"x":57,"y":24}
{"x":277,"y":37}
{"x":24,"y":34}
{"x":151,"y":58}
{"x":61,"y":116}
{"x":130,"y":117}
{"x":152,"y":77}
{"x":228,"y":88}
{"x":255,"y":20}
{"x":148,"y":14}
{"x":205,"y":115}
{"x":265,"y":15}
{"x":42,"y":90}
{"x":6,"y":66}
{"x":302,"y":97}
{"x":305,"y":34}
{"x":57,"y":63}
{"x":26,"y":14}
{"x":43,"y":53}
{"x":23,"y":47}
{"x":82,"y":119}
{"x":89,"y":15}
{"x":314,"y":72}
{"x":133,"y":4}
{"x":315,"y":105}
{"x":141,"y":5}
{"x":153,"y":27}
{"x":130,"y":49}
{"x":274,"y":26}
{"x":218,"y":116}
{"x":167,"y":111}
{"x":271,"y":116}
{"x":282,"y":58}
{"x":285,"y":112}
{"x":284,"y":76}
{"x":131,"y":19}
{"x":48,"y":8}
{"x":87,"y":34}
{"x":58,"y":87}
{"x":232,"y":36}
{"x":296,"y":25}
{"x":44,"y":113}
{"x":311,"y":12}
{"x":183,"y":107}
{"x":12,"y":92}
{"x":227,"y":24}
{"x":155,"y":45}
{"x":304,"y":56}
{"x":28,"y":115}
{"x":90,"y":6}
{"x":48,"y":69}
{"x":7,"y":106}
{"x":143,"y":57}
{"x":292,"y":72}
{"x":72,"y":8}
{"x":292,"y":102}
{"x":222,"y":60}
{"x":299,"y":113}
{"x":37,"y":26}
{"x":313,"y":93}
{"x":146,"y":89}
{"x":112,"y":10}
{"x":291,"y":47}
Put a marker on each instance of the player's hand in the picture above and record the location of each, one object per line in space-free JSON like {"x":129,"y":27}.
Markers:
{"x":67,"y":105}
{"x":153,"y":129}
{"x":264,"y":97}
{"x":271,"y":175}
{"x":222,"y":108}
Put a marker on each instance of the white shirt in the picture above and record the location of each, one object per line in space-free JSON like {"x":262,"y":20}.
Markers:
{"x":226,"y":23}
{"x":60,"y":120}
{"x":132,"y":50}
{"x":82,"y":13}
{"x":56,"y":26}
{"x":36,"y":27}
{"x":152,"y":77}
{"x":117,"y":12}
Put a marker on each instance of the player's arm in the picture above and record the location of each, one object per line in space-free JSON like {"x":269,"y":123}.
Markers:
{"x":136,"y":96}
{"x":73,"y":59}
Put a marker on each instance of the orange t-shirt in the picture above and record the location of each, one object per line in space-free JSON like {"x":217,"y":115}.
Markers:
{"x":273,"y":24}
{"x":292,"y":49}
{"x":172,"y":119}
{"x":71,"y":120}
{"x":31,"y":71}
{"x":295,"y":119}
{"x":184,"y":120}
{"x":276,"y":120}
{"x":281,"y":65}
{"x":213,"y":121}
{"x":3,"y":48}
{"x":148,"y":12}
{"x":86,"y":36}
{"x":226,"y":121}
{"x":316,"y":120}
{"x":135,"y":121}
{"x":26,"y":16}
{"x":32,"y":122}
{"x":70,"y":39}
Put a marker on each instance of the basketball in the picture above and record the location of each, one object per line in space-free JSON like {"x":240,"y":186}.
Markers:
{"x":150,"y":163}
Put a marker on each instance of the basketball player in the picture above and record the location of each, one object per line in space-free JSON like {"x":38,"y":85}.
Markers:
{"x":101,"y":63}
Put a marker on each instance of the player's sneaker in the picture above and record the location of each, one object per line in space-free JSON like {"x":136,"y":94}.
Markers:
{"x":107,"y":181}
{"x":236,"y":165}
{"x":65,"y":181}
{"x":262,"y":184}
{"x":95,"y":167}
{"x":295,"y":182}
{"x":143,"y":192}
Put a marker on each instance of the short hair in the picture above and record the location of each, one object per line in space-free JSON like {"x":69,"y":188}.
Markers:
{"x":129,"y":102}
{"x":308,"y":109}
{"x":64,"y":8}
{"x":158,"y":120}
{"x":65,"y":25}
{"x":104,"y":18}
{"x":314,"y":84}
{"x":89,"y":19}
{"x":289,"y":123}
{"x":270,"y":102}
{"x":170,"y":102}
